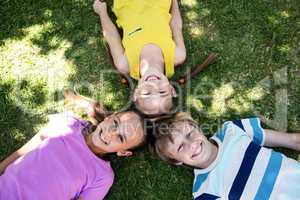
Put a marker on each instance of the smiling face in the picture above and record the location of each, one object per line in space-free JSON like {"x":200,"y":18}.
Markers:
{"x":154,"y":95}
{"x":118,"y":133}
{"x":186,"y":144}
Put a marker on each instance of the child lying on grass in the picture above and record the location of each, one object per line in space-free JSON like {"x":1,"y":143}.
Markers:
{"x":152,"y":44}
{"x":63,"y":161}
{"x":235,"y":163}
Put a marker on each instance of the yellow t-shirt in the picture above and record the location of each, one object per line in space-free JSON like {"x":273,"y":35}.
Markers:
{"x":144,"y":22}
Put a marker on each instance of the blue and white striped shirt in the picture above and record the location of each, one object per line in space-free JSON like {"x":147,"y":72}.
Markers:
{"x":244,"y":169}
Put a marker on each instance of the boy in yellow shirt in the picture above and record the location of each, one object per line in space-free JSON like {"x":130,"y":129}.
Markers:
{"x":151,"y":46}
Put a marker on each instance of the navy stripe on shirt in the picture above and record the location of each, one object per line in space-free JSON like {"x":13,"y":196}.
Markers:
{"x":239,"y":124}
{"x":244,"y":171}
{"x":206,"y":196}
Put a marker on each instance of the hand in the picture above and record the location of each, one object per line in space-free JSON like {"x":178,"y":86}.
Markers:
{"x":99,"y":6}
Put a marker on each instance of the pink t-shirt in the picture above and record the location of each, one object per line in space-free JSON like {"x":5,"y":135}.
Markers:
{"x":61,"y":168}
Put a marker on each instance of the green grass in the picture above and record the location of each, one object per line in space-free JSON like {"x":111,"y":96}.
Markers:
{"x":48,"y":45}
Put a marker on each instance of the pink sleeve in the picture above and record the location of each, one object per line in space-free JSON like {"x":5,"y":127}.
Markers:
{"x":60,"y":124}
{"x":99,"y":189}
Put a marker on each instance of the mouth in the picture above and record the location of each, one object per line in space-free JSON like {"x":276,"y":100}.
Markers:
{"x":198,"y":150}
{"x":152,"y":78}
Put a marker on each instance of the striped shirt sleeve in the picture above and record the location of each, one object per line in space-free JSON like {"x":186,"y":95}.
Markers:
{"x":252,"y":127}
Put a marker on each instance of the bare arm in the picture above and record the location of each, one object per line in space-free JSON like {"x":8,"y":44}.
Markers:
{"x":281,"y":139}
{"x":176,"y":26}
{"x":112,"y":37}
{"x":29,"y":146}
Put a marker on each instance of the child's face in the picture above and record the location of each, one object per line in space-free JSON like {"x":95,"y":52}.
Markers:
{"x":188,"y":145}
{"x":154,"y":95}
{"x":118,"y":132}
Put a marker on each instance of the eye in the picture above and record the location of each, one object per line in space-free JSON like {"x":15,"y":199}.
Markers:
{"x":189,"y":134}
{"x":116,"y":124}
{"x":145,"y":93}
{"x":162,"y":92}
{"x":180,"y":148}
{"x":121,"y":138}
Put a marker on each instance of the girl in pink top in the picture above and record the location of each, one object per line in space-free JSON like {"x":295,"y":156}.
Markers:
{"x":61,"y":161}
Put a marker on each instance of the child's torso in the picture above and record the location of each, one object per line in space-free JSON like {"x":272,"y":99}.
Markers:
{"x":248,"y":171}
{"x":58,"y":169}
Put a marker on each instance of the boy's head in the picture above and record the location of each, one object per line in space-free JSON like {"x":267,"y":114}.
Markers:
{"x":180,"y":141}
{"x":118,"y":133}
{"x":154,"y":95}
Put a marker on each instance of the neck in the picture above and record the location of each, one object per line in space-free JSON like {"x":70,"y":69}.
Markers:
{"x":148,"y":65}
{"x":92,"y":147}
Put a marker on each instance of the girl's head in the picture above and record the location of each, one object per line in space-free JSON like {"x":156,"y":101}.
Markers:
{"x":118,"y":133}
{"x":180,"y":141}
{"x":154,"y":94}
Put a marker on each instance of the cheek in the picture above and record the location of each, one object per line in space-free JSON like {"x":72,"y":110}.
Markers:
{"x":96,"y":140}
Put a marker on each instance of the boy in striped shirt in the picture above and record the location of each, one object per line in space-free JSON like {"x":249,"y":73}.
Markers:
{"x":235,"y":163}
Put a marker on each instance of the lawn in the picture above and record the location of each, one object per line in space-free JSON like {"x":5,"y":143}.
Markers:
{"x":48,"y":45}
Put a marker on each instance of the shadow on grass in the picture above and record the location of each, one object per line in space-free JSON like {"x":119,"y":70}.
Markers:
{"x":17,"y":126}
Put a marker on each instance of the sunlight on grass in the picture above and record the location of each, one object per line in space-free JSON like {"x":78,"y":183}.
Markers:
{"x":192,"y":15}
{"x":196,"y":31}
{"x":48,"y":13}
{"x":273,"y":20}
{"x":239,"y":104}
{"x":284,"y":14}
{"x":219,"y":99}
{"x":256,"y":93}
{"x":195,"y":103}
{"x":190,"y":3}
{"x":285,"y":48}
{"x":18,"y":136}
{"x":21,"y":60}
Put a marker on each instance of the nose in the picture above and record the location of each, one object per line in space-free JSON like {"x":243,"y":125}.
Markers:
{"x":194,"y":146}
{"x":109,"y":136}
{"x":106,"y":136}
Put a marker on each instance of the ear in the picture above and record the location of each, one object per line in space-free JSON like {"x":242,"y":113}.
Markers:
{"x":173,"y":91}
{"x":179,"y":163}
{"x":124,"y":153}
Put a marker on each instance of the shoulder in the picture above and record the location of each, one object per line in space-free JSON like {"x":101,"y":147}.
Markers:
{"x":62,"y":124}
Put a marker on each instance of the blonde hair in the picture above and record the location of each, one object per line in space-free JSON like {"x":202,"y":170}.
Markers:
{"x":163,"y":135}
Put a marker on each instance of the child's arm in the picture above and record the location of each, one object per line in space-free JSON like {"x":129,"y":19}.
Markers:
{"x":29,"y":146}
{"x":112,"y":37}
{"x":176,"y":26}
{"x":281,"y":139}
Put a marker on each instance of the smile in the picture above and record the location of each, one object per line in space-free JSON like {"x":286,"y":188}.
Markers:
{"x":152,"y":78}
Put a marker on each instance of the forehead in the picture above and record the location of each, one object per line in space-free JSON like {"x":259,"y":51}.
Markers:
{"x":183,"y":126}
{"x":154,"y":104}
{"x":130,"y":125}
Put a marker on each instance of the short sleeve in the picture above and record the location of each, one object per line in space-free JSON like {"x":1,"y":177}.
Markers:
{"x":98,"y":189}
{"x":60,"y":124}
{"x":252,"y":127}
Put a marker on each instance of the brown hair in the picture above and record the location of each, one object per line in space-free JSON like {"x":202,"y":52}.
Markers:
{"x":163,"y":135}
